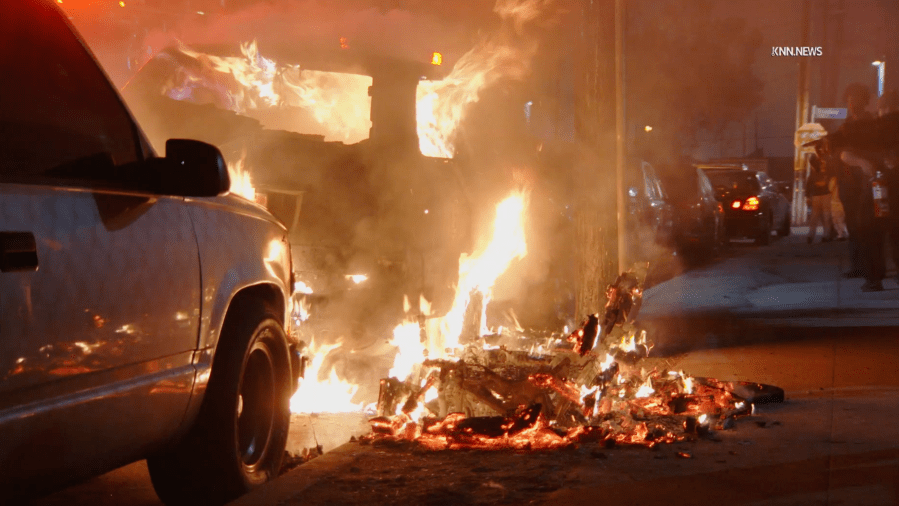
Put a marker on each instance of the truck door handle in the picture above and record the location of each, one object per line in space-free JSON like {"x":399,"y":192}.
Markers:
{"x":18,"y":252}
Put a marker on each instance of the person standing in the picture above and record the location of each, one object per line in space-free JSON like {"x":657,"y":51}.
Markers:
{"x":857,"y":98}
{"x":853,"y":184}
{"x":891,"y":177}
{"x":869,"y":229}
{"x":888,"y":104}
{"x":818,"y":191}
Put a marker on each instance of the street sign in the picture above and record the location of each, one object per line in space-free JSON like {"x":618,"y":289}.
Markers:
{"x":830,"y":113}
{"x":809,"y":132}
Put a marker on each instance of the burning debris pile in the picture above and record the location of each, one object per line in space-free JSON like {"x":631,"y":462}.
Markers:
{"x":586,"y":387}
{"x":457,"y":384}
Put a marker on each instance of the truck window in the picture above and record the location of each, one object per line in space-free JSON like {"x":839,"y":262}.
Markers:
{"x":59,"y":114}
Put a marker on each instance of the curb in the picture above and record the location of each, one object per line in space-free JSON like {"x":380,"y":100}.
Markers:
{"x":288,"y":488}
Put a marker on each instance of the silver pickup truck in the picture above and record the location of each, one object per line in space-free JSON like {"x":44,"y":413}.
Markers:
{"x":142,"y":306}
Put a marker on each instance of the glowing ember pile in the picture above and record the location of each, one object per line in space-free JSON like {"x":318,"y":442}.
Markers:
{"x":505,"y":390}
{"x":505,"y":398}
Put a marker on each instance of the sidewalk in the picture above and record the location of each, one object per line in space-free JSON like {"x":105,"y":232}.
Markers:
{"x":788,"y":283}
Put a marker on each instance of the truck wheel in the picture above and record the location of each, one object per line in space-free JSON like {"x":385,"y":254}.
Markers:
{"x":238,"y":439}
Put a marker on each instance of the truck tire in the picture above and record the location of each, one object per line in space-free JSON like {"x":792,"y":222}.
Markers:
{"x":240,"y":434}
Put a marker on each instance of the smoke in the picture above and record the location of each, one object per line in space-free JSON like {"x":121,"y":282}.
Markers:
{"x":299,"y":24}
{"x":400,"y":220}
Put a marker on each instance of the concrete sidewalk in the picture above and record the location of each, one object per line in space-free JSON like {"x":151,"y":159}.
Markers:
{"x":788,"y":283}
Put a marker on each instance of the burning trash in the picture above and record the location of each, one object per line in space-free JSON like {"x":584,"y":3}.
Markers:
{"x":493,"y":390}
{"x":455,"y":383}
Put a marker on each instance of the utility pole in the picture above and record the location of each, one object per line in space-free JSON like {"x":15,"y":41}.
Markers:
{"x":596,"y":208}
{"x":799,"y":160}
{"x":619,"y":133}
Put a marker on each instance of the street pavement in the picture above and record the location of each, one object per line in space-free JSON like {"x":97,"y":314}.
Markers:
{"x":833,"y":441}
{"x":780,"y":315}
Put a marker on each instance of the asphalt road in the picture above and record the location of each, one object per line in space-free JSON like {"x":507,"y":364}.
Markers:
{"x":834,"y":439}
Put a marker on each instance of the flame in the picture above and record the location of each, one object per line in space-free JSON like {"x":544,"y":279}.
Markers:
{"x":336,"y":105}
{"x":356,"y":278}
{"x":301,"y":287}
{"x":240,"y":180}
{"x":480,"y":271}
{"x":688,"y":384}
{"x":441,"y":105}
{"x":300,"y":308}
{"x":607,"y":362}
{"x":331,"y":395}
{"x":411,"y":351}
{"x":645,"y":389}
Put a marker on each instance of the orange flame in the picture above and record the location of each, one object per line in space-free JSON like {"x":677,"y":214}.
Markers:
{"x":240,"y":180}
{"x":335,"y":105}
{"x":329,"y":395}
{"x":480,"y":272}
{"x":441,"y":105}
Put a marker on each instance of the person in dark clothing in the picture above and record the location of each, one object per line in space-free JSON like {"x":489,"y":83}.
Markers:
{"x":861,"y":147}
{"x":891,"y":176}
{"x":857,"y":98}
{"x":869,"y":231}
{"x":851,"y":183}
{"x":888,"y":138}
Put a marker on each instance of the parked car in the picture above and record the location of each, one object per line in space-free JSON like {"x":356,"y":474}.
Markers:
{"x":754,"y":206}
{"x":649,"y":211}
{"x":142,"y":307}
{"x":698,"y":217}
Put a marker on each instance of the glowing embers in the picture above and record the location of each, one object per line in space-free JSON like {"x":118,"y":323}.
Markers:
{"x":517,"y":401}
{"x":569,"y":392}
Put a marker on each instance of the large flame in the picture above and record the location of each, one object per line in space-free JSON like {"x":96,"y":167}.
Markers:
{"x":336,"y":105}
{"x":480,"y":271}
{"x":410,"y":350}
{"x":477,"y":273}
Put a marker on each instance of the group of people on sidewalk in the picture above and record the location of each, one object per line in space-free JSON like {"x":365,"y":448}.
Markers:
{"x":852,"y":187}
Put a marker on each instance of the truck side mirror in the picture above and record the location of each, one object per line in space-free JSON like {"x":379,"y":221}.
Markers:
{"x":193,"y":169}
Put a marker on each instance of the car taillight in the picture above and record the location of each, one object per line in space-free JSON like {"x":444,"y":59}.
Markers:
{"x":736,"y":204}
{"x":751,"y":204}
